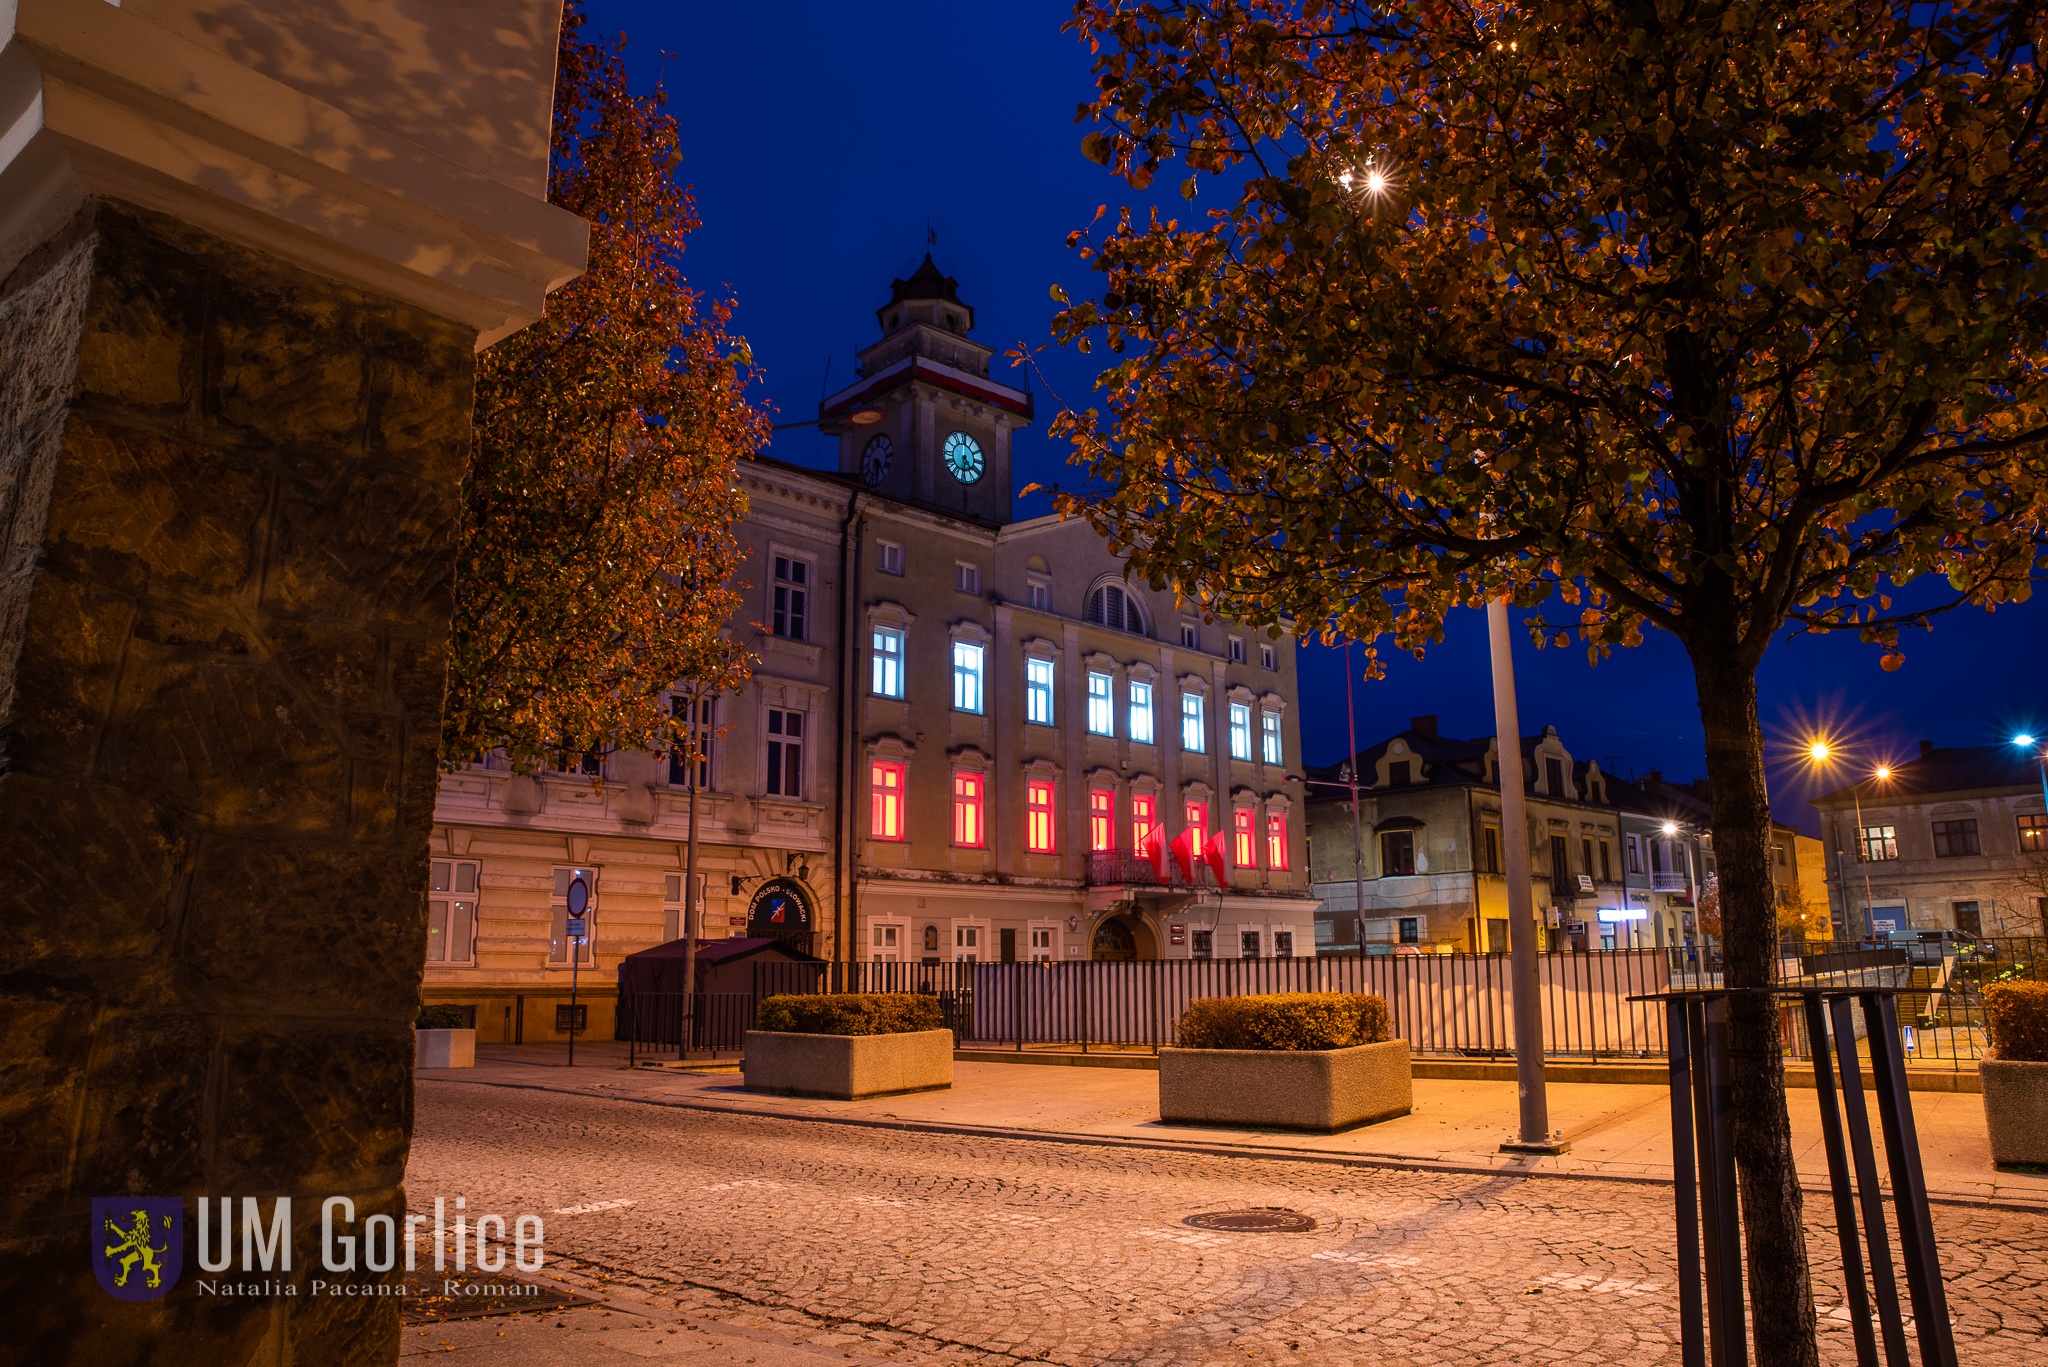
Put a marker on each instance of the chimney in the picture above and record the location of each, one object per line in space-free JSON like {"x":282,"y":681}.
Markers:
{"x":1653,"y":776}
{"x":1423,"y":726}
{"x":1926,"y":748}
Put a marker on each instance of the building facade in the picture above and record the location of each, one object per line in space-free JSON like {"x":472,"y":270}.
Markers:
{"x":965,"y":738}
{"x":1952,"y":839}
{"x":1613,"y":865}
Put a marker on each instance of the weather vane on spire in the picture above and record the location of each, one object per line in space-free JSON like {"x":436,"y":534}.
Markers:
{"x":931,"y":234}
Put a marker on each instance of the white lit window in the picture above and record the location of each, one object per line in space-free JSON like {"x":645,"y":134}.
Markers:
{"x":888,"y":657}
{"x":1141,"y":713}
{"x":1240,"y":730}
{"x":1038,"y":691}
{"x":967,"y":578}
{"x":451,"y":912}
{"x":1191,"y":728}
{"x":967,"y":693}
{"x":1101,"y":715}
{"x":1269,"y":736}
{"x":891,"y":561}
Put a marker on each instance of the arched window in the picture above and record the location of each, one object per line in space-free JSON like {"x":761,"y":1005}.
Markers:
{"x":1112,"y":607}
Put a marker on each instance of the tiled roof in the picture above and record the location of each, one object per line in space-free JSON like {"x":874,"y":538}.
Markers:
{"x":1958,"y":769}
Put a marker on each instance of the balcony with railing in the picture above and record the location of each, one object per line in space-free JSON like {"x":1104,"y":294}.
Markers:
{"x":1668,"y":882}
{"x":1116,"y":869}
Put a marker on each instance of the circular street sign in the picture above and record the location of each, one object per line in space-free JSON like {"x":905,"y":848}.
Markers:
{"x":579,"y":895}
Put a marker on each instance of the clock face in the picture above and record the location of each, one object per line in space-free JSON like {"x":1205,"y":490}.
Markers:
{"x":963,"y":457}
{"x":874,"y":459}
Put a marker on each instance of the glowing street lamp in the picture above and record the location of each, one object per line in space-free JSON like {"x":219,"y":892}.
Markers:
{"x":2028,"y":742}
{"x":1823,"y":754}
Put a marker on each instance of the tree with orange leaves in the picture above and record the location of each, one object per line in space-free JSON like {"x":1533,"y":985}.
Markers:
{"x":1716,"y":317}
{"x":597,"y":546}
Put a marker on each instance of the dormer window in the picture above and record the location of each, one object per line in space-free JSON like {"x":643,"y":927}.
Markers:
{"x":952,"y":322}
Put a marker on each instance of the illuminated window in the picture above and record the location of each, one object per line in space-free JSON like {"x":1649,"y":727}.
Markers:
{"x":885,"y":791}
{"x":967,"y":810}
{"x":1038,"y":816}
{"x":1141,"y":714}
{"x":1101,"y":716}
{"x":967,"y":657}
{"x":1276,"y":841}
{"x":1197,"y":816}
{"x":1144,"y":820}
{"x":1038,"y":691}
{"x":888,"y":657}
{"x":1240,"y":730}
{"x":1879,"y":843}
{"x":1191,"y":728}
{"x":1101,"y":819}
{"x":2033,"y":834}
{"x":1243,"y":839}
{"x":1269,"y":736}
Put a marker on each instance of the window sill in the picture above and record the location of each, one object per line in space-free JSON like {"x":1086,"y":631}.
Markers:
{"x":798,"y":650}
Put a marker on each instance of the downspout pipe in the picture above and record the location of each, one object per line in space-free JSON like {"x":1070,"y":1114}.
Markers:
{"x":844,"y":920}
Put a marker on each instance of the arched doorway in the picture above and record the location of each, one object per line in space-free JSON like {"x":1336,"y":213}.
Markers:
{"x":781,"y":910}
{"x":1119,"y":939}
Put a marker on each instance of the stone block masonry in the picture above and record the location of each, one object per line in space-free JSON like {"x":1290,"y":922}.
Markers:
{"x":227,"y":502}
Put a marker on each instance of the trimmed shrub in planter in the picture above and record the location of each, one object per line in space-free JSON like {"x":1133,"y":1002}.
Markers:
{"x":440,"y":1039}
{"x":2015,"y":1078}
{"x":849,"y":1046}
{"x":850,"y":1013}
{"x":1315,"y":1061}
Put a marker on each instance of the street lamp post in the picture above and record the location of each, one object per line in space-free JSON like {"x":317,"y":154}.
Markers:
{"x":1350,"y":775}
{"x":1821,"y":753}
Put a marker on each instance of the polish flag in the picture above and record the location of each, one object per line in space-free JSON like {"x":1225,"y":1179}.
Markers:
{"x":1185,"y":854}
{"x":1155,"y":850}
{"x":1213,"y":852}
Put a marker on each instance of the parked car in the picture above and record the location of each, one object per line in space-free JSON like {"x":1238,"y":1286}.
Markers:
{"x":1932,"y":946}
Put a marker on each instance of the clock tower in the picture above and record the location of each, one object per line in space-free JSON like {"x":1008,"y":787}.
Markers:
{"x":944,"y":437}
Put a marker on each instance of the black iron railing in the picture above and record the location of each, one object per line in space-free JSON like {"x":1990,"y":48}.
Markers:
{"x":1114,"y":868}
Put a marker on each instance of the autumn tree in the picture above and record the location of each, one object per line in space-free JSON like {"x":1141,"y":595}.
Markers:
{"x":1720,"y":318}
{"x":597,"y":547}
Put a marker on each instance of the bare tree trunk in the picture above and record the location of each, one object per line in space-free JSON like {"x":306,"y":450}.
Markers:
{"x":1780,"y":1293}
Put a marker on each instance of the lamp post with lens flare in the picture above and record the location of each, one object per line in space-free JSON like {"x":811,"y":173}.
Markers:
{"x":2033,"y":743}
{"x":1823,"y":755}
{"x":1377,"y":184}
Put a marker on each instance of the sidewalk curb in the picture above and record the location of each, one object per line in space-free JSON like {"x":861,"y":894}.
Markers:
{"x":1209,"y":1147}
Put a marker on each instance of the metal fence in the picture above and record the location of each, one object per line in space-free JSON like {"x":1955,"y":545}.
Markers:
{"x":1444,"y":1005}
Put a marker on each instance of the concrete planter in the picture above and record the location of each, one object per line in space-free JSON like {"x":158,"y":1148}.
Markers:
{"x":444,"y":1049}
{"x":848,"y":1067}
{"x":1319,"y":1090}
{"x":2016,"y":1110}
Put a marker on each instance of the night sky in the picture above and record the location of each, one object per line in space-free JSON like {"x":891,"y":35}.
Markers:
{"x":824,"y":141}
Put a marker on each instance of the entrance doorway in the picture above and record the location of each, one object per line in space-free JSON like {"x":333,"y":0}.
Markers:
{"x":1113,"y":942}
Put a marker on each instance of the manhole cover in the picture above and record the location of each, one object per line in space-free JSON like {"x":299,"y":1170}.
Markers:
{"x":1258,"y":1220}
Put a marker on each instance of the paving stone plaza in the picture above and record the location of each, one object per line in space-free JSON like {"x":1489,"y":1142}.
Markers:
{"x":746,"y":1237}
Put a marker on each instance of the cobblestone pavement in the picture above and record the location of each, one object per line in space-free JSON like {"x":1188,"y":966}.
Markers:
{"x":936,"y":1248}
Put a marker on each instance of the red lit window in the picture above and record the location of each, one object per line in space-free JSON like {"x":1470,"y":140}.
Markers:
{"x":1244,"y":851}
{"x":1276,"y":840}
{"x":1101,"y":820}
{"x":1198,"y":822}
{"x":1144,"y":820}
{"x":1038,"y":817}
{"x":967,"y":825}
{"x":885,"y":788}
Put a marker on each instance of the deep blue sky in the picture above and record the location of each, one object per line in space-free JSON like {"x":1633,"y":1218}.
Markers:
{"x":822,"y":139}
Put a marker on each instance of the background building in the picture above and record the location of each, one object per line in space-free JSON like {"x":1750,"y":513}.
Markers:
{"x":961,"y":736}
{"x":1954,"y":838}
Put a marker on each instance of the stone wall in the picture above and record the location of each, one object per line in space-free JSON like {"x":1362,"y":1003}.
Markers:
{"x":227,"y":493}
